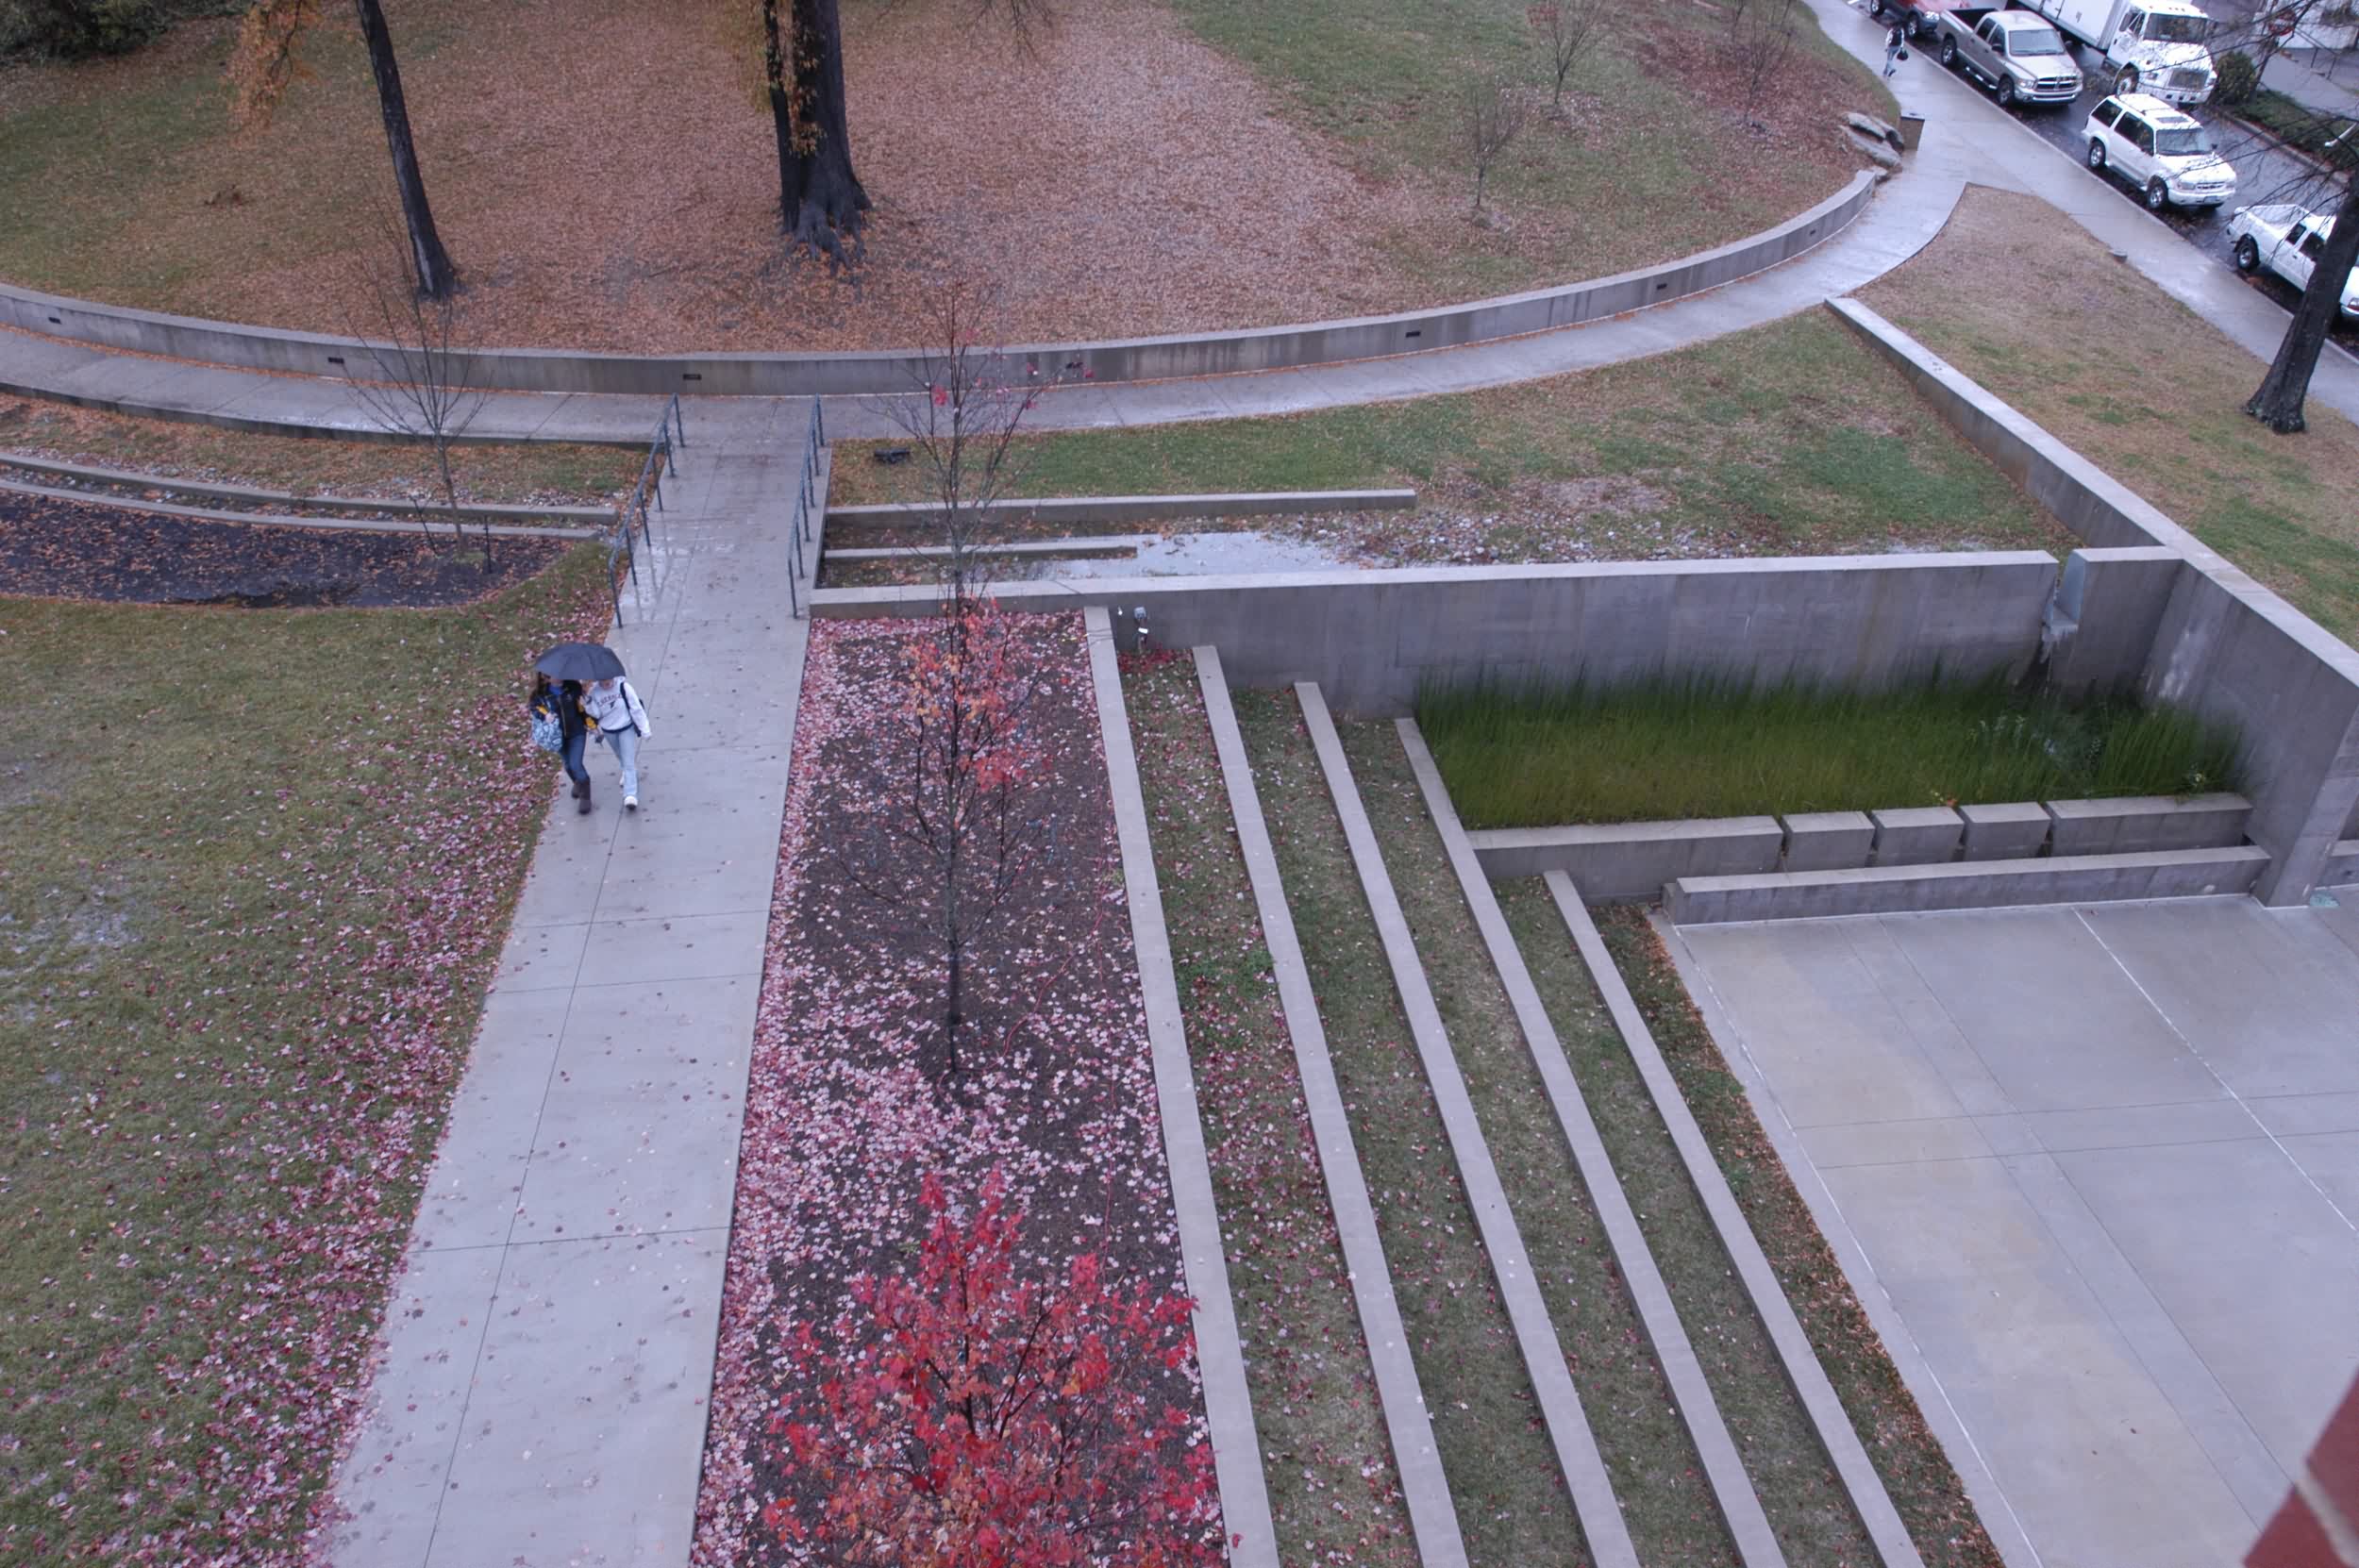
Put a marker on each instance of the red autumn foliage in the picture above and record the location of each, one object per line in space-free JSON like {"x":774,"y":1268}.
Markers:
{"x":978,"y":1419}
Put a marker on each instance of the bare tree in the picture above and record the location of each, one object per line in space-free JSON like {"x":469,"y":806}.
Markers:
{"x":1760,"y":42}
{"x":949,"y":828}
{"x":1564,"y":26}
{"x":264,"y":65}
{"x":420,"y":380}
{"x":1490,"y":117}
{"x":963,"y":423}
{"x":2276,"y":403}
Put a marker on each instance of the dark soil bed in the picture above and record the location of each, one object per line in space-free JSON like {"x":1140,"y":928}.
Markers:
{"x":74,"y":550}
{"x":847,"y":1113}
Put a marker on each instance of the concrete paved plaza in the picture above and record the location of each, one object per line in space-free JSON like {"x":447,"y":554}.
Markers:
{"x":2095,"y":1170}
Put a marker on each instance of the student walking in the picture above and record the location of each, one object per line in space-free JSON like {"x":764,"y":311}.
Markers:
{"x":619,"y":717}
{"x":1895,"y":47}
{"x":560,"y":702}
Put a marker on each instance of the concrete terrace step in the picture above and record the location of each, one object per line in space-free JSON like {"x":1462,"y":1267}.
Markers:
{"x":1559,"y":1401}
{"x":432,"y":521}
{"x":1964,"y":885}
{"x":593,"y":517}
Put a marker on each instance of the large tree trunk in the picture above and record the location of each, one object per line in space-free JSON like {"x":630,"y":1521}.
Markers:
{"x":2278,"y":404}
{"x":436,"y":276}
{"x":820,"y":199}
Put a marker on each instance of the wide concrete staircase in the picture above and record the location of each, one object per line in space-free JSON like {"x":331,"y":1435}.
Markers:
{"x":1502,"y":1072}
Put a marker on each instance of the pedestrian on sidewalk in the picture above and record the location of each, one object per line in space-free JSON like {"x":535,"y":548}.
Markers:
{"x":1895,"y":47}
{"x":620,"y":719}
{"x":562,"y":701}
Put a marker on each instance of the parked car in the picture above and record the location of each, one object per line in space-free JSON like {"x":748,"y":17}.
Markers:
{"x":2016,"y":55}
{"x":2158,"y":46}
{"x":2288,"y":241}
{"x":1922,"y":18}
{"x":2166,"y":154}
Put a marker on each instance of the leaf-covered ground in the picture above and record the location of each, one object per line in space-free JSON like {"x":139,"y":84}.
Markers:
{"x":87,"y":550}
{"x":255,"y":872}
{"x":606,"y":178}
{"x":842,"y":1124}
{"x":1333,"y":1486}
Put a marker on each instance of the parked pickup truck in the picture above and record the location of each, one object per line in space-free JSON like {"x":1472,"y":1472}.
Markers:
{"x":2288,"y":239}
{"x":2157,"y":46}
{"x":2017,"y":56}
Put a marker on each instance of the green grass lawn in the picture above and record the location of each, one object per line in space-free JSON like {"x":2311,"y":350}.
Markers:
{"x":254,"y":869}
{"x":1787,"y":439}
{"x":1657,"y":1478}
{"x":1333,"y":1488}
{"x":1542,"y":758}
{"x":1513,"y":1507}
{"x":2168,"y":423}
{"x":1923,"y":1484}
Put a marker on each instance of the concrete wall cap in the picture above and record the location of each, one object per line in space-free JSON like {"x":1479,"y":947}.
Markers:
{"x":1624,"y":832}
{"x":2019,"y":810}
{"x":2145,"y":806}
{"x":1915,"y":816}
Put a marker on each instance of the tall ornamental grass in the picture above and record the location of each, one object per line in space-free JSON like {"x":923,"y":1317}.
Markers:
{"x":1573,"y":754}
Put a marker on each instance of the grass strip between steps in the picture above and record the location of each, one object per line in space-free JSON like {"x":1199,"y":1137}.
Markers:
{"x":1513,"y":1507}
{"x":1333,"y":1488}
{"x":1791,"y":1473}
{"x":1665,"y":1498}
{"x":1924,"y":1485}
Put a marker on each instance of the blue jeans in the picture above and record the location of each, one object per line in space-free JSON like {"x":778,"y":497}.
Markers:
{"x":572,"y":757}
{"x":625,"y":743}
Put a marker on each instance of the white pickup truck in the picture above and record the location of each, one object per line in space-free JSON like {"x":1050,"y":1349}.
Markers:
{"x":2288,"y":239}
{"x":2157,"y":46}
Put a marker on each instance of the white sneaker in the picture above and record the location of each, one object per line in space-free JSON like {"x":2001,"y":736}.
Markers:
{"x":631,"y":803}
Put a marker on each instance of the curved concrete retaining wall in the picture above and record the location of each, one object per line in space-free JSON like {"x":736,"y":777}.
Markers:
{"x":898,"y":371}
{"x":2220,"y":644}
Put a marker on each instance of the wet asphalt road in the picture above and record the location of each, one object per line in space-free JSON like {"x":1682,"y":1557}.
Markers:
{"x":2264,"y":172}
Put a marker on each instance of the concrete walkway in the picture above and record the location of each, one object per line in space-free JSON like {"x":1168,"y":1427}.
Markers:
{"x":550,"y":1344}
{"x":2095,"y":1173}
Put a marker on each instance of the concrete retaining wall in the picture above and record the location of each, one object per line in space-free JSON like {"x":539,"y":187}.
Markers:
{"x":898,"y":371}
{"x":1372,"y":640}
{"x":2222,"y":646}
{"x":1615,"y":862}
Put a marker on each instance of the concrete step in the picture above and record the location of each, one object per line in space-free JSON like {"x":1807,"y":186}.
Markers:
{"x":1965,"y":884}
{"x":2342,"y":863}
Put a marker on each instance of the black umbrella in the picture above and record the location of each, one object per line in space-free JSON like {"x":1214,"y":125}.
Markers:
{"x":579,"y":661}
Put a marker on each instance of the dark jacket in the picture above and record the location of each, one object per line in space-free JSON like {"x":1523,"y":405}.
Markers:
{"x":566,"y":699}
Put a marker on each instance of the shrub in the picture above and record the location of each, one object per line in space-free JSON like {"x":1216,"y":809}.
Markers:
{"x":2240,"y":80}
{"x":78,"y":29}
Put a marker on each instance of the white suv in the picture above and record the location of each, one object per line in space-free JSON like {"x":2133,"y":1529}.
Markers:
{"x":2166,"y":154}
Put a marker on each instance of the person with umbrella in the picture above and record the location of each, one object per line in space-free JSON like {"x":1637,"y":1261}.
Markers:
{"x":560,"y":676}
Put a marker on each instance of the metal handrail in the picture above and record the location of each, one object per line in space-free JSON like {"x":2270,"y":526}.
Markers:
{"x":806,"y":496}
{"x":671,"y":433}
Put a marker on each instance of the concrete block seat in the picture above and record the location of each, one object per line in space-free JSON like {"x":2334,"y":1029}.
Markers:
{"x":1965,"y":884}
{"x":2132,"y":823}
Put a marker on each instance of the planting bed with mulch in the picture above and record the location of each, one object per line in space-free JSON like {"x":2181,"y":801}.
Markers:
{"x":1333,"y":1488}
{"x":255,"y":874}
{"x":84,"y":550}
{"x":848,"y":1109}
